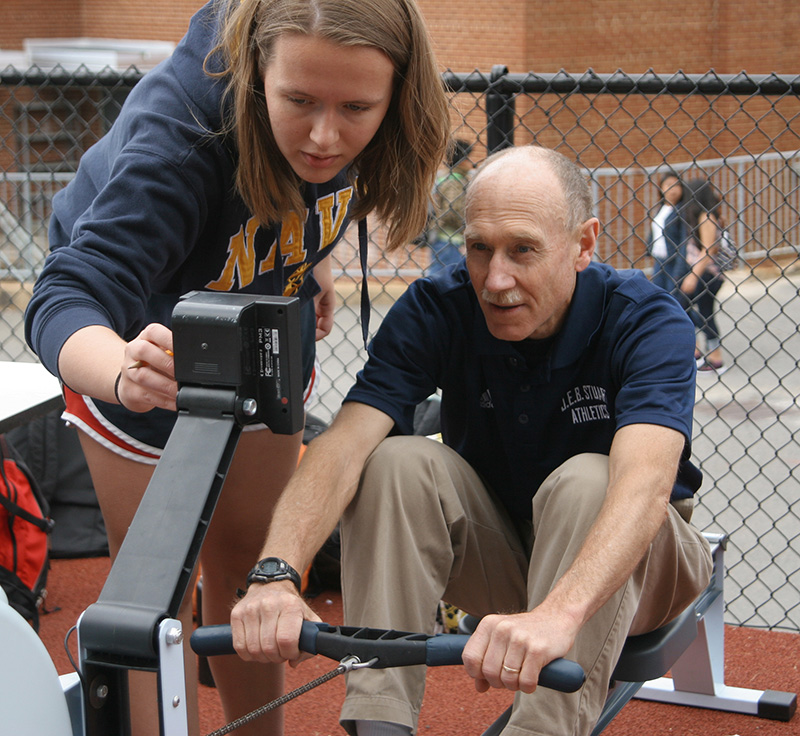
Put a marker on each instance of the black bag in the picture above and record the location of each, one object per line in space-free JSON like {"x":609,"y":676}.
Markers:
{"x":24,"y":530}
{"x":52,"y":452}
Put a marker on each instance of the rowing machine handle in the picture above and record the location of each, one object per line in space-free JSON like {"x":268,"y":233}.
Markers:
{"x":392,"y":649}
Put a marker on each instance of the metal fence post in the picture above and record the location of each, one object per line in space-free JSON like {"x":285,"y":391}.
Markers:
{"x":499,"y":112}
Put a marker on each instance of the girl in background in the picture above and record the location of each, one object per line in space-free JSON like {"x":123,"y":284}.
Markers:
{"x":701,"y":285}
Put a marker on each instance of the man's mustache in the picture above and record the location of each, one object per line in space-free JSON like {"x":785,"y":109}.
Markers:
{"x":502,"y":298}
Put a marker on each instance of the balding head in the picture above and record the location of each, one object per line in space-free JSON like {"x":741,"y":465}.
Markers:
{"x":511,"y":164}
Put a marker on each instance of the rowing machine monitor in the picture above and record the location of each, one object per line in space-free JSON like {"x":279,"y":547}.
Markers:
{"x":250,"y":344}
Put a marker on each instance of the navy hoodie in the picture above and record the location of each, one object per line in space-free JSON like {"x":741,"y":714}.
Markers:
{"x":152,"y":213}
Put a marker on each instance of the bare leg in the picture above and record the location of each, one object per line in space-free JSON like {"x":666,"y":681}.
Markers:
{"x":263,"y":465}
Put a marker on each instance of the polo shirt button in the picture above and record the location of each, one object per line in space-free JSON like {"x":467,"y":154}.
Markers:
{"x":525,"y":387}
{"x":512,"y":362}
{"x":522,"y":418}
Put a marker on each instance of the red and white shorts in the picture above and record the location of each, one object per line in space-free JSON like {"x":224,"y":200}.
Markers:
{"x":82,"y":412}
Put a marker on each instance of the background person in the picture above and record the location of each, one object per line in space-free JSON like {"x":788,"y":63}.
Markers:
{"x":559,"y":493}
{"x":703,"y":214}
{"x":232,"y":167}
{"x":447,"y":236}
{"x":667,"y":240}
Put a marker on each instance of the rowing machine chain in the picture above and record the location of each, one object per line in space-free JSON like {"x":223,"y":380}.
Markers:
{"x":346,"y":665}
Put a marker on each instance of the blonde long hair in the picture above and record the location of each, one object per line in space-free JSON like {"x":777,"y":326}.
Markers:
{"x":396,"y":170}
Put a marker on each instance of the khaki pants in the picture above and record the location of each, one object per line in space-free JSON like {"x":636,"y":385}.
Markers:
{"x":424,"y":527}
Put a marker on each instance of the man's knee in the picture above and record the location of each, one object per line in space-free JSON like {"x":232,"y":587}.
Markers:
{"x":580,"y":483}
{"x":396,"y":449}
{"x":394,"y":474}
{"x":404,"y":456}
{"x":408,"y":474}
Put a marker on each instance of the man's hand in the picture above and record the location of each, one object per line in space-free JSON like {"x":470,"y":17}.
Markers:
{"x":509,"y":651}
{"x":266,"y":623}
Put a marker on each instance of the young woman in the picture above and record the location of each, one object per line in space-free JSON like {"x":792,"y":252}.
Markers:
{"x":702,"y":284}
{"x":233,"y":166}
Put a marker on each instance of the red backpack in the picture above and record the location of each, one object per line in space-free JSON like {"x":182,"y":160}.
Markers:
{"x":24,"y":529}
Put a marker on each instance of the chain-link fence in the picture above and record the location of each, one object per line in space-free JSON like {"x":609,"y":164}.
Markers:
{"x":740,"y":132}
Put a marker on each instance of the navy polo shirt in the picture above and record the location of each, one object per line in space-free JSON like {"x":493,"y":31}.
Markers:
{"x":516,"y":411}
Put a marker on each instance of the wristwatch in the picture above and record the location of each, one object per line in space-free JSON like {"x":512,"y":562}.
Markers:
{"x":272,"y":569}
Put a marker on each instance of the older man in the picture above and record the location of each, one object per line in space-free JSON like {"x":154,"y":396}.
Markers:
{"x":551,"y":509}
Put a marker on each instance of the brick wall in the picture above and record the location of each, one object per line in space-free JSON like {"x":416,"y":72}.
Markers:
{"x":605,"y":35}
{"x":21,"y":19}
{"x":153,"y":20}
{"x":477,"y":34}
{"x":538,"y":35}
{"x":157,"y":20}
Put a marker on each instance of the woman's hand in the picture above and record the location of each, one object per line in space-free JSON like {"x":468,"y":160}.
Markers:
{"x":140,"y":374}
{"x":147,"y":375}
{"x":325,"y":301}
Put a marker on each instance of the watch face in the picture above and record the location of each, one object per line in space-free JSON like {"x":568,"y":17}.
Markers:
{"x":271,"y":567}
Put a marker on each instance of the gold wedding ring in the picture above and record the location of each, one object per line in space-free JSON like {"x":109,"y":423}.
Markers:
{"x":511,"y":669}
